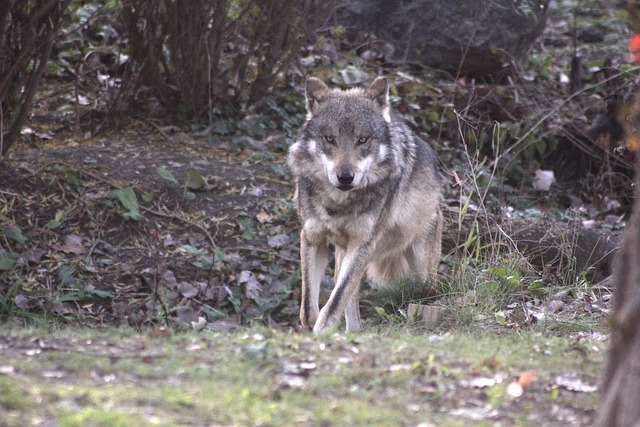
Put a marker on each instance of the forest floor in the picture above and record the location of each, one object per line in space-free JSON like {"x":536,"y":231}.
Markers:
{"x":221,"y":258}
{"x":149,"y":276}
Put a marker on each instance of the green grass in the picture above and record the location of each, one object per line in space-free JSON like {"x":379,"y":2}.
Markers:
{"x":393,"y":376}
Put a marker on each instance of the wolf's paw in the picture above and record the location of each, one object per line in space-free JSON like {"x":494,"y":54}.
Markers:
{"x":325,"y":321}
{"x":308,"y":317}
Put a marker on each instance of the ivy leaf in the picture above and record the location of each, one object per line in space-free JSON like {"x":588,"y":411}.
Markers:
{"x":8,"y":260}
{"x":14,"y":233}
{"x":57,"y":221}
{"x":195,"y":181}
{"x":167,"y":175}
{"x":102,"y":294}
{"x":149,"y":196}
{"x":128,"y":199}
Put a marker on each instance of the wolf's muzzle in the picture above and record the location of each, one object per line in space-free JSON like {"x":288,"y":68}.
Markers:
{"x":345,"y":178}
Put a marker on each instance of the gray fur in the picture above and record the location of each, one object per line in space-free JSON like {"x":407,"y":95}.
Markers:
{"x":367,"y":185}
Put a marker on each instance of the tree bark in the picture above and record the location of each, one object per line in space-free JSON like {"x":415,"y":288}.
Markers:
{"x":620,"y":391}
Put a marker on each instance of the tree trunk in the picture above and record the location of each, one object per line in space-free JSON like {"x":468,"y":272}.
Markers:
{"x":27,"y":32}
{"x":620,"y":394}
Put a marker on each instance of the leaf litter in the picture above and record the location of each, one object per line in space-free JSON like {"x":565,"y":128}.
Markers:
{"x":115,"y":254}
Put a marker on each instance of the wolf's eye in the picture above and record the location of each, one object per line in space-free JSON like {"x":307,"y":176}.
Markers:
{"x":363,"y":139}
{"x":329,"y":139}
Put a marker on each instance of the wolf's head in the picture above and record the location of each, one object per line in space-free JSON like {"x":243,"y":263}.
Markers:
{"x":347,"y":132}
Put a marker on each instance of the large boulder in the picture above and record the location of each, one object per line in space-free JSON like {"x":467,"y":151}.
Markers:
{"x":477,"y":37}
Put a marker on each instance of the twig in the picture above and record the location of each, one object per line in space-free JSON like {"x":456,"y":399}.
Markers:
{"x":8,"y":193}
{"x":153,"y":243}
{"x":254,"y":249}
{"x":557,"y":108}
{"x":159,"y":129}
{"x":76,"y":168}
{"x":186,"y":221}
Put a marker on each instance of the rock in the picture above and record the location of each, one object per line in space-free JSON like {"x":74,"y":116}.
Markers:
{"x":555,"y":306}
{"x":477,"y":38}
{"x":429,"y":316}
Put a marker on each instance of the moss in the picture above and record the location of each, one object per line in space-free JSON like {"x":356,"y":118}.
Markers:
{"x":91,"y":417}
{"x":12,"y":398}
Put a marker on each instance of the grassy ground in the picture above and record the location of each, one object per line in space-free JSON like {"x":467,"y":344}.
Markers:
{"x":389,"y":376}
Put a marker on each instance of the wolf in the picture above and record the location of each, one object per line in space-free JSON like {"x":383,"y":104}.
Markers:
{"x":368,"y":186}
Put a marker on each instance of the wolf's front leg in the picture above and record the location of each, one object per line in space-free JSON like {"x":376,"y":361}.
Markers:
{"x":352,"y":313}
{"x":314,"y":260}
{"x":352,"y":270}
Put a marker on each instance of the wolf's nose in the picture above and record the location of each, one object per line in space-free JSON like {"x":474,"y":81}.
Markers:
{"x":345,"y":177}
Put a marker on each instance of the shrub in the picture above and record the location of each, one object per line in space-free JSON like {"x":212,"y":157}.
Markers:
{"x":27,"y":32}
{"x":194,"y":55}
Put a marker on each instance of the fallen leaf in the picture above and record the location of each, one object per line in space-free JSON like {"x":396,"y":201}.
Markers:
{"x":168,"y":279}
{"x":253,"y":288}
{"x":14,"y":233}
{"x":200,"y":324}
{"x":263,"y":217}
{"x":73,"y":239}
{"x":352,"y":75}
{"x":166,"y":175}
{"x":69,"y":249}
{"x":127,"y":197}
{"x":483,"y":382}
{"x":195,"y":181}
{"x":187,"y":289}
{"x":159,"y":332}
{"x":7,"y":370}
{"x":279,"y":240}
{"x":574,"y":383}
{"x":169,"y":241}
{"x":8,"y":260}
{"x":53,"y":374}
{"x":22,"y":301}
{"x":543,"y":180}
{"x":29,"y":257}
{"x":526,"y":379}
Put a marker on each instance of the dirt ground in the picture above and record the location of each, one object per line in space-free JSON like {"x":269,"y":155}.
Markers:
{"x":209,"y":246}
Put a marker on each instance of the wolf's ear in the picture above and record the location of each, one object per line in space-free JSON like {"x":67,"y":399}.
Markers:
{"x":379,"y":91}
{"x":315,"y":92}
